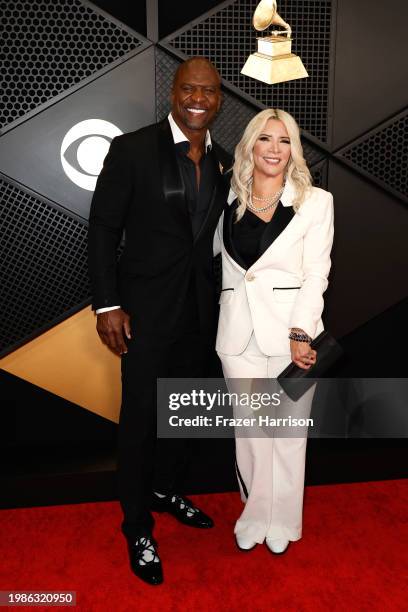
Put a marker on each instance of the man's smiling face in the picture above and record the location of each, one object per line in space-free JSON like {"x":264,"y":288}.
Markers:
{"x":196,"y":95}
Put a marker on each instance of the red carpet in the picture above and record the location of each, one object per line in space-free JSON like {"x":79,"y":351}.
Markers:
{"x":353,"y":555}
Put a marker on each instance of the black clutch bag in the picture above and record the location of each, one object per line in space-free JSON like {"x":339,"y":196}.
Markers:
{"x":296,"y":381}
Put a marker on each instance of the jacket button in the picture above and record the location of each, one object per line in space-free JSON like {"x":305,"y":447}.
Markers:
{"x":250,"y":277}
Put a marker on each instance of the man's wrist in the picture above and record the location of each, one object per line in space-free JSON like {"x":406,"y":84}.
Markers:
{"x":106,"y":309}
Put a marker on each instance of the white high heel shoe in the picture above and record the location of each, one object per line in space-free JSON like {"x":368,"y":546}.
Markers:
{"x":277,"y":547}
{"x":244,"y":543}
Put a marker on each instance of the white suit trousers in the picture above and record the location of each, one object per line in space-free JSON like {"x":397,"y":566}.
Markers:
{"x":272,"y":469}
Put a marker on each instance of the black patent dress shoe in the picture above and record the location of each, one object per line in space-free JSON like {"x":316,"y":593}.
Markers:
{"x":182,"y":509}
{"x":144,"y":560}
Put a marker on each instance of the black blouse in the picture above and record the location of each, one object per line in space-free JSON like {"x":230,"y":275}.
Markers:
{"x":249,"y":234}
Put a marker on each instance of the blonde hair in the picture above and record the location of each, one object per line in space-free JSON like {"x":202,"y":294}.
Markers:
{"x":296,"y":171}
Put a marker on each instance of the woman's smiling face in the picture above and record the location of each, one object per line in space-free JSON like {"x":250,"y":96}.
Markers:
{"x":271,"y":151}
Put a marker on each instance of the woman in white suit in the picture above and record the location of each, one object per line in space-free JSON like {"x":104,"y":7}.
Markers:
{"x":276,"y":236}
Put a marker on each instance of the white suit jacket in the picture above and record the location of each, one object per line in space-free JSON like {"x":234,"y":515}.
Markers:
{"x":284,"y":287}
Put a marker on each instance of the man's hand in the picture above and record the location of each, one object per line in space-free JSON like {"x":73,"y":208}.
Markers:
{"x":111,"y":326}
{"x":302,"y":354}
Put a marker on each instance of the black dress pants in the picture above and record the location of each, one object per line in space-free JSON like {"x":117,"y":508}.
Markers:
{"x":145,"y":463}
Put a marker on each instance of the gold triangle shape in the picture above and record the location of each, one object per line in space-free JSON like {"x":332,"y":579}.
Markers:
{"x":70,"y":361}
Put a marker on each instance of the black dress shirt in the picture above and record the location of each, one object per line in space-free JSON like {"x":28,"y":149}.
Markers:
{"x":198,"y":198}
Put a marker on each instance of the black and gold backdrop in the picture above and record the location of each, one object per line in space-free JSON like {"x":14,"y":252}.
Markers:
{"x":67,"y":63}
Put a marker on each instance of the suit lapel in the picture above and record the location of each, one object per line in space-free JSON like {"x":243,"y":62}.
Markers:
{"x":171,"y":179}
{"x":220,"y":190}
{"x":282,"y":217}
{"x":229,"y":216}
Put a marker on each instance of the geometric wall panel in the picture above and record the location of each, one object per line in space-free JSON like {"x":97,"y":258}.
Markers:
{"x":319,"y":174}
{"x":382,"y":155}
{"x":43,"y":264}
{"x":47,"y":47}
{"x":30,"y":153}
{"x":166,"y":66}
{"x":233,"y":118}
{"x":370,"y":78}
{"x":312,"y":154}
{"x":226,"y":36}
{"x":70,"y":361}
{"x":369,"y":255}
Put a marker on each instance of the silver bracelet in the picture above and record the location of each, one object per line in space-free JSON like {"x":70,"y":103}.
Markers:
{"x":299,"y":337}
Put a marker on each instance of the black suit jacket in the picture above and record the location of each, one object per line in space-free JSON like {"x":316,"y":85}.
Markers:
{"x":140,"y":190}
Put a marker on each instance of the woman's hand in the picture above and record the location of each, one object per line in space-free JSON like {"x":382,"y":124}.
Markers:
{"x":302,"y":354}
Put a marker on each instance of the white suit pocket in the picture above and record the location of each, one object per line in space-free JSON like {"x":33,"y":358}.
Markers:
{"x":285,"y":294}
{"x":226,"y":296}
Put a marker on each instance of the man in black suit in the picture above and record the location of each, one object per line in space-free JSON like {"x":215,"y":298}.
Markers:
{"x":163,"y":187}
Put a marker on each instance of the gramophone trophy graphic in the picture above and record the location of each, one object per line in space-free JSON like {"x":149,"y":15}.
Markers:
{"x":274,"y":61}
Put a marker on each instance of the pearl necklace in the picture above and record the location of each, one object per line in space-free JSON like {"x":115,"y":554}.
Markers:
{"x":272,"y":201}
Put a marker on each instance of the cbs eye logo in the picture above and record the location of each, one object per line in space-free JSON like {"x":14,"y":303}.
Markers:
{"x":84,"y":148}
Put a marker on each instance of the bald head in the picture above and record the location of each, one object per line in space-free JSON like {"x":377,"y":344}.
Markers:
{"x":196,"y":63}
